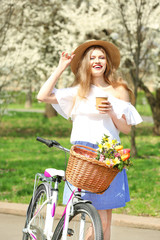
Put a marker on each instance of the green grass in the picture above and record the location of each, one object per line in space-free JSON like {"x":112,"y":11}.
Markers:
{"x":20,"y":124}
{"x":144,"y":187}
{"x":35,"y":105}
{"x":21,"y":156}
{"x":144,"y":176}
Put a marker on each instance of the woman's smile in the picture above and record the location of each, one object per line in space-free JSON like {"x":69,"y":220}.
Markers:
{"x":97,"y":66}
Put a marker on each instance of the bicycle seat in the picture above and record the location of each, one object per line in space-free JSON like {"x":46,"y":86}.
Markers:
{"x":52,"y":172}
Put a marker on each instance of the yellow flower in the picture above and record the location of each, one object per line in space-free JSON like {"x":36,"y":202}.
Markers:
{"x":100,"y":147}
{"x":107,"y":145}
{"x":105,"y":139}
{"x":116,"y":161}
{"x":107,"y":162}
{"x":114,"y":141}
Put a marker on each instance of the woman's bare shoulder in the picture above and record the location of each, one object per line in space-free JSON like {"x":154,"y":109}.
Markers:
{"x":122,"y":93}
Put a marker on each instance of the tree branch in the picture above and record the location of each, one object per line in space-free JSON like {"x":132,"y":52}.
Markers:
{"x":6,"y":25}
{"x":126,"y":27}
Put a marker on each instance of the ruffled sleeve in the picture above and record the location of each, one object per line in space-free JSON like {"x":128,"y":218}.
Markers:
{"x":121,"y":107}
{"x":65,"y":98}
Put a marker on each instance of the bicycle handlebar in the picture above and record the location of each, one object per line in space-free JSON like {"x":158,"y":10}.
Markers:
{"x":49,"y":143}
{"x":52,"y":143}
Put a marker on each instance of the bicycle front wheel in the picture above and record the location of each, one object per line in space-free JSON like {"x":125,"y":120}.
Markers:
{"x":84,"y":224}
{"x":38,"y":224}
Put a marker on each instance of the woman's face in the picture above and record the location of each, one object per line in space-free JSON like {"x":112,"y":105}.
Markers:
{"x":98,"y":62}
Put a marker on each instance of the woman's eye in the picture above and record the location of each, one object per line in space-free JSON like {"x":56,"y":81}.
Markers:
{"x":92,"y":58}
{"x":100,"y":57}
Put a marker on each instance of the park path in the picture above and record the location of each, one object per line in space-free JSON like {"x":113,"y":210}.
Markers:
{"x":11,"y":228}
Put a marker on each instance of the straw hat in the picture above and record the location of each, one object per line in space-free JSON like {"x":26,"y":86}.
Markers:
{"x":110,"y":48}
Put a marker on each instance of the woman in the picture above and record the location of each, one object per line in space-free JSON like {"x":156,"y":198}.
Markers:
{"x":94,"y":64}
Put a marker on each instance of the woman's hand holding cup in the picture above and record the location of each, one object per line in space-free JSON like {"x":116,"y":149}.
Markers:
{"x":103,"y":105}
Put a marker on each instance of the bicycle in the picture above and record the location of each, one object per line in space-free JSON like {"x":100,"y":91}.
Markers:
{"x":78,"y":216}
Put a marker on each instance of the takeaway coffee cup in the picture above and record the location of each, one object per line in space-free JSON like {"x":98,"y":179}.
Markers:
{"x":99,"y":101}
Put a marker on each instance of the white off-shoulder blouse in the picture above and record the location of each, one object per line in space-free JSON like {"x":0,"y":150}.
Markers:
{"x":88,"y":124}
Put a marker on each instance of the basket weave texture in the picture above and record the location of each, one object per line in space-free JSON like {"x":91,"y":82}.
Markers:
{"x":85,"y":172}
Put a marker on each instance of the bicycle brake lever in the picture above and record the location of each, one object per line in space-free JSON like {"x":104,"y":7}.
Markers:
{"x":54,"y":142}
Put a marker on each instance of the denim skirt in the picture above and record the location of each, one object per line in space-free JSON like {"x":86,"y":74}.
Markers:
{"x":115,"y":196}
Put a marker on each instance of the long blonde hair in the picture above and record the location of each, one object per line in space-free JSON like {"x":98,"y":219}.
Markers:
{"x":84,"y":79}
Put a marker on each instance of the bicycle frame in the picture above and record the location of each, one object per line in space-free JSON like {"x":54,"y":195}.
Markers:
{"x":51,"y":201}
{"x":67,"y":213}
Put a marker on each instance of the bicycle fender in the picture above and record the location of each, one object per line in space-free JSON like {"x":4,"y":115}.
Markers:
{"x":31,"y":201}
{"x":47,"y":187}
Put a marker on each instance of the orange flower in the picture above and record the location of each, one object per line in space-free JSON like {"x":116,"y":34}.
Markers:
{"x":124,"y":157}
{"x":119,"y":147}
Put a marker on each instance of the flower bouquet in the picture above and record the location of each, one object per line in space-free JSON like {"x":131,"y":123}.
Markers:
{"x":112,"y":153}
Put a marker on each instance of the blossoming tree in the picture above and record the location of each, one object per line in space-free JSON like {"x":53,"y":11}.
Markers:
{"x":138,"y":36}
{"x":28,"y":43}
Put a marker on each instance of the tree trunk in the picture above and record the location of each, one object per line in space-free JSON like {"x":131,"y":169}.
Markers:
{"x":133,"y":142}
{"x":28,"y":103}
{"x":50,"y":111}
{"x":156,"y":119}
{"x":154,"y":102}
{"x":156,"y":114}
{"x":134,"y":78}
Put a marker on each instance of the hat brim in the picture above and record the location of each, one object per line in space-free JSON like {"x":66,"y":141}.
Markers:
{"x":110,"y":49}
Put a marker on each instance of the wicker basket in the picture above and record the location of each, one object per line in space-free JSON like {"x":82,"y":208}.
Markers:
{"x":85,"y":172}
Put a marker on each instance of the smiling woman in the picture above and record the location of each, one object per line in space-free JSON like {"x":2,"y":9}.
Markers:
{"x":94,"y":64}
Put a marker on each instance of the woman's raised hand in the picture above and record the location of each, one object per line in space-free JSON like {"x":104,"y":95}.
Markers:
{"x":65,"y":60}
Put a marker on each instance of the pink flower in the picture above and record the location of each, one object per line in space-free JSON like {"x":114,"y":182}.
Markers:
{"x":101,"y":158}
{"x":117,"y":154}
